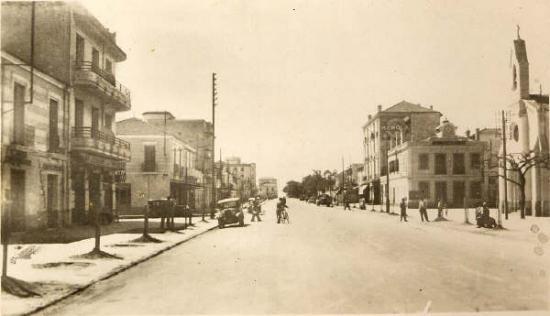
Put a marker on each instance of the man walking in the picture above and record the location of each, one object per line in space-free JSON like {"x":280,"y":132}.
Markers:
{"x":346,"y":202}
{"x":422,"y":209}
{"x":256,"y":211}
{"x":403,"y":207}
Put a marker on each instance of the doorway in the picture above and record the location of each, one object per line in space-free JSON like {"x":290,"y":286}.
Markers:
{"x":17,"y":218}
{"x":51,"y":201}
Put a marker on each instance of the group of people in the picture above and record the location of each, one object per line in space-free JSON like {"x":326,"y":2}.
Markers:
{"x":422,"y":208}
{"x":255,"y":208}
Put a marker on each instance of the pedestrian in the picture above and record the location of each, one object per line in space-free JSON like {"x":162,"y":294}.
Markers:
{"x":256,"y":211}
{"x":440,"y":208}
{"x":346,"y":202}
{"x":280,"y":207}
{"x":403,"y":207}
{"x":422,"y":209}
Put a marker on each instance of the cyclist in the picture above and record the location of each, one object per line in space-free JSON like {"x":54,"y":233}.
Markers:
{"x":280,"y":207}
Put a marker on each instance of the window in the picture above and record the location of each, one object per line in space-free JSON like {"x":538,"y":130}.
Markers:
{"x":423,"y":162}
{"x":79,"y":49}
{"x":95,"y":59}
{"x":109,"y":121}
{"x":149,"y":158}
{"x":19,"y":114}
{"x":95,"y":121}
{"x":78,"y":113}
{"x":108,"y":66}
{"x":475,"y":189}
{"x":441,"y":190}
{"x":54,"y":135}
{"x":458,"y":163}
{"x":440,"y":164}
{"x":475,"y":161}
{"x":424,"y":189}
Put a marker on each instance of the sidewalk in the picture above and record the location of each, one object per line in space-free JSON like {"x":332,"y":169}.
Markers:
{"x":56,"y":273}
{"x":515,"y":228}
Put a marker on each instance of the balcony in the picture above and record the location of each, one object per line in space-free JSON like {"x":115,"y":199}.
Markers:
{"x":86,"y":139}
{"x":103,"y":83}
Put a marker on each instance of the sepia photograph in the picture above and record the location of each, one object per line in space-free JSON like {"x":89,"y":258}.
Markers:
{"x":258,"y":157}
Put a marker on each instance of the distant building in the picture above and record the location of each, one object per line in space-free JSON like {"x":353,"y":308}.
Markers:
{"x":68,"y":110}
{"x":492,"y":137}
{"x":241,"y":177}
{"x":387,"y":129}
{"x":196,"y":133}
{"x":527,"y":133}
{"x":162,"y":165}
{"x":267,"y":187}
{"x":443,"y":167}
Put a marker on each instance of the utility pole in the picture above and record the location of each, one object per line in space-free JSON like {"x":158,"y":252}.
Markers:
{"x":343,"y":180}
{"x":504,"y":169}
{"x":214,"y":101}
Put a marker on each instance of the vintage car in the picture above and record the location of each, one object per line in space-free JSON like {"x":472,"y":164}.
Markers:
{"x":324,"y":199}
{"x":230,"y":212}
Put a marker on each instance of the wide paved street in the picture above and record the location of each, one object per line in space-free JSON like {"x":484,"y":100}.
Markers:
{"x":326,"y":261}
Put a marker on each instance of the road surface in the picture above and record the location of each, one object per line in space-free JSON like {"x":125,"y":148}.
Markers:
{"x":326,"y":261}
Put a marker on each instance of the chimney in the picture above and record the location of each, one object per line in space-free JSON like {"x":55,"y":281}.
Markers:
{"x":379,"y":108}
{"x":370,"y":117}
{"x":477,"y":134}
{"x":468,"y":133}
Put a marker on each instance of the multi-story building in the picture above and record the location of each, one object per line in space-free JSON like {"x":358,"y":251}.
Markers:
{"x":34,"y":146}
{"x":492,"y":137}
{"x":443,"y":167}
{"x":162,"y":165}
{"x":64,"y":41}
{"x":386,"y":129}
{"x":198,"y":134}
{"x":267,"y":187}
{"x":527,"y":139}
{"x":240,"y":176}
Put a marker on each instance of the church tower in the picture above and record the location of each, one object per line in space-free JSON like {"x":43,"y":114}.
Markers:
{"x":520,"y":68}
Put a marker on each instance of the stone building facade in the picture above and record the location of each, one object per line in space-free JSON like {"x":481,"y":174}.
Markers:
{"x":35,"y":134}
{"x":386,"y":129}
{"x":527,"y":133}
{"x":443,"y":167}
{"x":162,"y":165}
{"x":73,"y":48}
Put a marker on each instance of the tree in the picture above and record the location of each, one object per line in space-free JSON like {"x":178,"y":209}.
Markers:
{"x":519,"y":164}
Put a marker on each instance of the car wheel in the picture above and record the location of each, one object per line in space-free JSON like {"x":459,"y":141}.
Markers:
{"x":220,"y":224}
{"x":241,"y":222}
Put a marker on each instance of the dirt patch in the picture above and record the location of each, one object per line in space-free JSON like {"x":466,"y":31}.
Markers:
{"x":125,"y":245}
{"x":64,"y":264}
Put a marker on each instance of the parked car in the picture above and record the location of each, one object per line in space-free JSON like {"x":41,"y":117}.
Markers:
{"x":311,"y":199}
{"x":230,"y":212}
{"x":324,"y":199}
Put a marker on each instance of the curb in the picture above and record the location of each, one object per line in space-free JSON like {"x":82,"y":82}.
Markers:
{"x":114,"y":272}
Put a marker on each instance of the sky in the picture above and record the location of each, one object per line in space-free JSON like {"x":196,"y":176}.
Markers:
{"x":297,"y":79}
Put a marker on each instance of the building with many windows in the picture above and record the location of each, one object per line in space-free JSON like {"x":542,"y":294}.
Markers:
{"x":198,"y":134}
{"x":63,"y":42}
{"x":162,"y":165}
{"x":387,"y":129}
{"x":240,"y":177}
{"x":267,"y":187}
{"x":443,"y":167}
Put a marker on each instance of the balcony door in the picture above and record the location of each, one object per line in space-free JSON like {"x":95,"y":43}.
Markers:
{"x":95,"y":121}
{"x":19,"y":114}
{"x":95,"y":60}
{"x":17,"y":212}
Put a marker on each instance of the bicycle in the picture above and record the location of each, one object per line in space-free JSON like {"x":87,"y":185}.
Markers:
{"x":285,"y":217}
